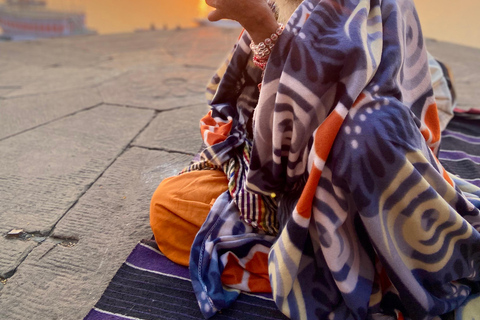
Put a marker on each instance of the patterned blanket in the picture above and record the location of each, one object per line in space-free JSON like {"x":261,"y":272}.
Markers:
{"x":345,"y":140}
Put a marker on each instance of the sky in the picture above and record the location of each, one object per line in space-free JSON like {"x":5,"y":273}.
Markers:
{"x":451,"y":20}
{"x":113,"y":16}
{"x":444,"y":20}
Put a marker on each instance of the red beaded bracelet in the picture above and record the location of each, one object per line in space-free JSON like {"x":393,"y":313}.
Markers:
{"x":260,"y":62}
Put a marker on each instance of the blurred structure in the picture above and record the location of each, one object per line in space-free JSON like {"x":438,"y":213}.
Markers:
{"x":26,"y":19}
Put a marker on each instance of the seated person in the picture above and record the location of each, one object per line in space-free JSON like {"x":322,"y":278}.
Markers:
{"x":319,"y":179}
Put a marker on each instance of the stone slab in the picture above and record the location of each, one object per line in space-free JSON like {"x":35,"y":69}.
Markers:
{"x":207,"y":47}
{"x":56,"y":79}
{"x":57,"y":282}
{"x":464,"y":63}
{"x":23,"y":113}
{"x":158,"y":87}
{"x":204,"y":46}
{"x":6,"y":65}
{"x":176,"y":130}
{"x":43,"y":172}
{"x":18,"y":249}
{"x":125,"y":61}
{"x":48,"y":52}
{"x":20,"y":76}
{"x":104,"y":45}
{"x":6,"y":90}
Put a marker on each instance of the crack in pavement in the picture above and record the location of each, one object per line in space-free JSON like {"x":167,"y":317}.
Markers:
{"x":39,"y":237}
{"x":163,"y":150}
{"x":11,"y":87}
{"x":51,"y":121}
{"x":198,"y":66}
{"x":154,"y":109}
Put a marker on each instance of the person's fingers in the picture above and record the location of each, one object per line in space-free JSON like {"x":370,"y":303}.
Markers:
{"x":215,"y":15}
{"x":211,"y":3}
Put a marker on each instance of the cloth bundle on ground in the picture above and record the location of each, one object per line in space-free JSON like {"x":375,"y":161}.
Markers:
{"x":342,"y":163}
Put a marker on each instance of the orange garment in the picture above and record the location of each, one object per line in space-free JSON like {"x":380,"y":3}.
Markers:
{"x":179,"y":207}
{"x":251,"y":277}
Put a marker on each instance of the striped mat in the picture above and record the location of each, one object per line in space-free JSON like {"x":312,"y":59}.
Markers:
{"x":460,"y":148}
{"x":148,"y":286}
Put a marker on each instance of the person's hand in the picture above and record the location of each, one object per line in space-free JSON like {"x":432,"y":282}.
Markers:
{"x":254,"y":15}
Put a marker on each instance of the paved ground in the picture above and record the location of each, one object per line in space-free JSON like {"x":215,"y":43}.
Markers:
{"x":88,"y":128}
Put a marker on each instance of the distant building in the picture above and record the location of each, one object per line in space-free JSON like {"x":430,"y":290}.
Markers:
{"x":32,"y":19}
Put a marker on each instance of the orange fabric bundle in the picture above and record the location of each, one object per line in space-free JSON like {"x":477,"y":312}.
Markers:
{"x":179,"y":207}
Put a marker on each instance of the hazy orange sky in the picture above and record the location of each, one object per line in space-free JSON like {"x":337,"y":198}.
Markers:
{"x":450,"y":20}
{"x":445,"y":20}
{"x":109,"y":16}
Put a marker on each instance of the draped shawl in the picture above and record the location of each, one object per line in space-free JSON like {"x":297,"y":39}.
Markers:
{"x":345,"y":133}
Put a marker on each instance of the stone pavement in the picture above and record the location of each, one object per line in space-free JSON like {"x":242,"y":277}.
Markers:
{"x":88,"y":128}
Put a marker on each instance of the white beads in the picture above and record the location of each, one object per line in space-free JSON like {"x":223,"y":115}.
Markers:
{"x":263,"y":49}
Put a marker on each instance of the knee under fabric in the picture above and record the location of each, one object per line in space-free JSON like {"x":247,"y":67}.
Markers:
{"x":179,"y":207}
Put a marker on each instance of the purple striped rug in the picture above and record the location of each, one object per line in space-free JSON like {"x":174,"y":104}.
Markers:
{"x":148,"y":286}
{"x":460,"y":149}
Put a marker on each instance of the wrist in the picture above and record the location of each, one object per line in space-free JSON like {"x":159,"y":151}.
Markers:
{"x":261,"y":27}
{"x":264,"y":48}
